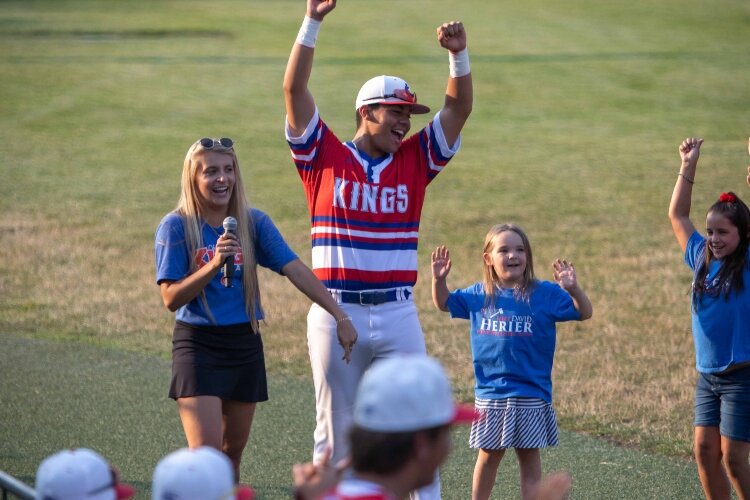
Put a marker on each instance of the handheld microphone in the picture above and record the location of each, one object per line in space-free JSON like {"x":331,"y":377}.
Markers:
{"x":230,"y":226}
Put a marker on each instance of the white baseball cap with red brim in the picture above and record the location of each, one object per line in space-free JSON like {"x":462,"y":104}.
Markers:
{"x":407,"y":394}
{"x":389,"y":90}
{"x":203,"y":473}
{"x":80,"y":474}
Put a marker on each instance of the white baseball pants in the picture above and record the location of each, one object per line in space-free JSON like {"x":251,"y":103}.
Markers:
{"x":384,"y":330}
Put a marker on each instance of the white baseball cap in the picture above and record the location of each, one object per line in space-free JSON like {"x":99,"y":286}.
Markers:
{"x":202,"y":473}
{"x":386,"y":89}
{"x":79,"y":474}
{"x":405,"y":394}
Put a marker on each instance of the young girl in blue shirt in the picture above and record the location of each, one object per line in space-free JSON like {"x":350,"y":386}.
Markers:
{"x":720,"y":296}
{"x":513,"y":318}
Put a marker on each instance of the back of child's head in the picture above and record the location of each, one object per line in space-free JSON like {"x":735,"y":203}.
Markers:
{"x":398,"y":399}
{"x":729,"y":278}
{"x":202,"y":473}
{"x":79,"y":474}
{"x":491,"y":280}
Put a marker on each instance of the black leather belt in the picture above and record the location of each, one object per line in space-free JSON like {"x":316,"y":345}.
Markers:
{"x":369,"y":298}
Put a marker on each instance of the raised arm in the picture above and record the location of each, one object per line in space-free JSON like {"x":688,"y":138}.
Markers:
{"x":459,"y":94}
{"x":565,"y":275}
{"x":313,"y":480}
{"x":441,"y":266}
{"x":300,"y":105}
{"x":679,"y":206}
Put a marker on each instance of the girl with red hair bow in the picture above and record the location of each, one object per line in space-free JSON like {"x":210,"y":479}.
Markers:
{"x":721,"y":329}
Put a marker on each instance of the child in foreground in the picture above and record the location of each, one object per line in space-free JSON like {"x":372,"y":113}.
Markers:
{"x":513,"y":317}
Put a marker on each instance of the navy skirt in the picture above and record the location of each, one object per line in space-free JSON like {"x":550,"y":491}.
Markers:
{"x":223,"y":361}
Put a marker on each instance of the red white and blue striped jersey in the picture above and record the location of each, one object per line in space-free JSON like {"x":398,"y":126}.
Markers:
{"x":365,"y":212}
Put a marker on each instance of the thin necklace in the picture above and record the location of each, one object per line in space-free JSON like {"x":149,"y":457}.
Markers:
{"x":205,"y":222}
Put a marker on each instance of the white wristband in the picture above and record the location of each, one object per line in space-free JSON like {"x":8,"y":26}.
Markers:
{"x":459,"y":63}
{"x":308,"y":32}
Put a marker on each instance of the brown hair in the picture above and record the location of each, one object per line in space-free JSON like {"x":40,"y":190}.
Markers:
{"x":729,"y":277}
{"x":385,"y":452}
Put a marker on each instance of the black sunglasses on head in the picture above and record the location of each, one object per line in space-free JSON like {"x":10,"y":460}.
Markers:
{"x":224,"y":142}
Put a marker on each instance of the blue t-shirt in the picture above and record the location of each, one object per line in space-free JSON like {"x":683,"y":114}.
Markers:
{"x":513,"y":342}
{"x":721,"y":325}
{"x":226,"y":304}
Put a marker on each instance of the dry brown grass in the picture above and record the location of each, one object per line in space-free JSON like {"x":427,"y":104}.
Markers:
{"x":69,"y":279}
{"x":626,"y":374}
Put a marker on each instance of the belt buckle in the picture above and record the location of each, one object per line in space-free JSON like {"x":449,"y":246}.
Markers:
{"x":373,"y":298}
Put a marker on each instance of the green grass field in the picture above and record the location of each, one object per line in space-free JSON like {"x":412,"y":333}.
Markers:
{"x":115,"y":402}
{"x":579,"y":109}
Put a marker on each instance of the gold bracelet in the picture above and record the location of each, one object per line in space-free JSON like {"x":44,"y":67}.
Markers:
{"x":686,"y":178}
{"x":343,"y":320}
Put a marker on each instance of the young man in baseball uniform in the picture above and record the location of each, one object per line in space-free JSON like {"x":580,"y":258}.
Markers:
{"x":365,"y":198}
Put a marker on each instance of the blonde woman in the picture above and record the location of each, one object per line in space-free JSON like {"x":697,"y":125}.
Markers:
{"x":218,"y":368}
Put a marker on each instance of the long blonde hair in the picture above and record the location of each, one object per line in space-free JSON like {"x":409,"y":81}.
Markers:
{"x":491,"y":280}
{"x":189,"y":208}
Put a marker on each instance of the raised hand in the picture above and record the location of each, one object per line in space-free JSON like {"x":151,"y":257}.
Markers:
{"x":555,"y":486}
{"x":452,"y":36}
{"x":690,"y":150}
{"x":318,"y":9}
{"x":311,"y":481}
{"x":564,"y":274}
{"x":441,"y":262}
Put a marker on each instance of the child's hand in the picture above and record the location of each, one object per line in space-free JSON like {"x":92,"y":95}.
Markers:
{"x":314,"y":480}
{"x":690,"y":150}
{"x":565,"y":274}
{"x":441,"y":262}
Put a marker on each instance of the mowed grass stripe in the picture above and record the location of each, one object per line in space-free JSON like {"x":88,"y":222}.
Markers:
{"x":56,"y":395}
